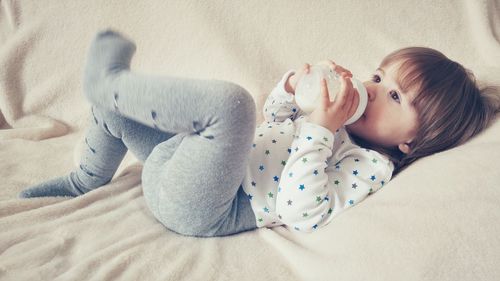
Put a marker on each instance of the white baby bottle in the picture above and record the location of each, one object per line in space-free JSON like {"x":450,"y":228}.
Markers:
{"x":308,"y":90}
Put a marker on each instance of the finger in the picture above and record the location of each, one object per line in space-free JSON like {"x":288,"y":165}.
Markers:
{"x":303,"y":71}
{"x":349,"y":97}
{"x":347,"y":91}
{"x":340,"y":69}
{"x":332,"y":65}
{"x":340,"y":98}
{"x":328,"y":63}
{"x":306,"y":68}
{"x":354,"y":104}
{"x":325,"y":96}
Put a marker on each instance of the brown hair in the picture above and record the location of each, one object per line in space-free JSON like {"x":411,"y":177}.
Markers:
{"x":451,"y":107}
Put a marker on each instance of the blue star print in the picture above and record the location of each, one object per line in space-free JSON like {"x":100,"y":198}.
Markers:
{"x":309,"y":160}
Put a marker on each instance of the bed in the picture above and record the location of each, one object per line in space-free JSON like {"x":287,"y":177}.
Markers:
{"x":437,"y":220}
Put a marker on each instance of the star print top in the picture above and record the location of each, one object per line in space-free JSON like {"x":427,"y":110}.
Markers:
{"x":301,"y":174}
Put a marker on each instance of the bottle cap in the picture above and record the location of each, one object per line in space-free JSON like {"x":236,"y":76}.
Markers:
{"x":363,"y":101}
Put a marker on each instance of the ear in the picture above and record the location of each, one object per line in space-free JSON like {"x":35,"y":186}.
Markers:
{"x":405,"y":148}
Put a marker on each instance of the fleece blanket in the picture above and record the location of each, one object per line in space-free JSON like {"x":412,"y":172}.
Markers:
{"x":437,"y":220}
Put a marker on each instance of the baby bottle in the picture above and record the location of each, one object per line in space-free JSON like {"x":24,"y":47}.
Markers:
{"x":308,"y":90}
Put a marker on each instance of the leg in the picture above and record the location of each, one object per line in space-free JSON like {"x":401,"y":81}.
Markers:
{"x":193,"y":190}
{"x":107,"y":139}
{"x":191,"y":185}
{"x":100,"y":159}
{"x":160,"y":102}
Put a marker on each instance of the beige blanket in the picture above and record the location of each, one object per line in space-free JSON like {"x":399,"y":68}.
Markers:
{"x":438,"y":220}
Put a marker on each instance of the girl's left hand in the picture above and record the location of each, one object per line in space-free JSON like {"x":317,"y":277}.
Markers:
{"x":291,"y":82}
{"x":333,"y":114}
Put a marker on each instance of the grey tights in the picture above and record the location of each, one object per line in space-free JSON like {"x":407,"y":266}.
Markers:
{"x":194,"y":137}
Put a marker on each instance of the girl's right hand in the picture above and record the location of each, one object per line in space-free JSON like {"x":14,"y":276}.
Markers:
{"x":333,"y":114}
{"x":291,"y":82}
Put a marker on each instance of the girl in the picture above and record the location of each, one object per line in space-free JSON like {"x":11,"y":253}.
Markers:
{"x":209,"y":172}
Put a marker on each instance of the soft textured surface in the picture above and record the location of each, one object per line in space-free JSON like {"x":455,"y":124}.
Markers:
{"x":438,"y":220}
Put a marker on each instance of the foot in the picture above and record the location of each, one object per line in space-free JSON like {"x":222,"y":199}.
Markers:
{"x":61,"y":186}
{"x":109,"y":54}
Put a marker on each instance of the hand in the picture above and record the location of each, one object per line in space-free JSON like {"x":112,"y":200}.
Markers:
{"x":332,"y":115}
{"x":291,"y":82}
{"x":337,"y":68}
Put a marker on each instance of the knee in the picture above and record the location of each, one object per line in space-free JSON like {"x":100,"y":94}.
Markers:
{"x":111,"y":122}
{"x":239,"y":105}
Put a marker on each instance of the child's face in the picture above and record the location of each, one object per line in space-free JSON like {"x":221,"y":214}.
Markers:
{"x":390,"y":119}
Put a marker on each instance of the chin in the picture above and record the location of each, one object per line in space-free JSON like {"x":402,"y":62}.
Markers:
{"x":361,"y":120}
{"x":357,"y":127}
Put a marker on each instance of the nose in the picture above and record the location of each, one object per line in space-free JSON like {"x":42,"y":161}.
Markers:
{"x":371,"y":91}
{"x":371,"y":94}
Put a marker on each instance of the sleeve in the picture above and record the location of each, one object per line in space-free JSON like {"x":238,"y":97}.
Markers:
{"x":280,"y":105}
{"x":312,"y":191}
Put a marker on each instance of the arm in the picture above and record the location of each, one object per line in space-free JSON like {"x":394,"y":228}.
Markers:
{"x":280,"y":104}
{"x":310,"y":191}
{"x":313,"y":191}
{"x":303,"y":200}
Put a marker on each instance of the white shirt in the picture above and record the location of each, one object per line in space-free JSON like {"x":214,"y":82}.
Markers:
{"x":301,"y":174}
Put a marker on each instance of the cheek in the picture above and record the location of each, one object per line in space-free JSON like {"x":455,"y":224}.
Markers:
{"x":376,"y":119}
{"x":381,"y":127}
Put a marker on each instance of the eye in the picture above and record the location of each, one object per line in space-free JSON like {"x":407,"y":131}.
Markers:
{"x":395,"y":96}
{"x":376,"y":78}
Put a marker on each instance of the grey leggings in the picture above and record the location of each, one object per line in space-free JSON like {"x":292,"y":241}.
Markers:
{"x":194,"y":137}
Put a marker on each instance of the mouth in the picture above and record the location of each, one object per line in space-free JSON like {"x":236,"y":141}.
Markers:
{"x":360,"y":120}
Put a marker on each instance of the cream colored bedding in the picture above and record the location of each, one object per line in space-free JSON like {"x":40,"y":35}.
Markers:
{"x":437,"y":220}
